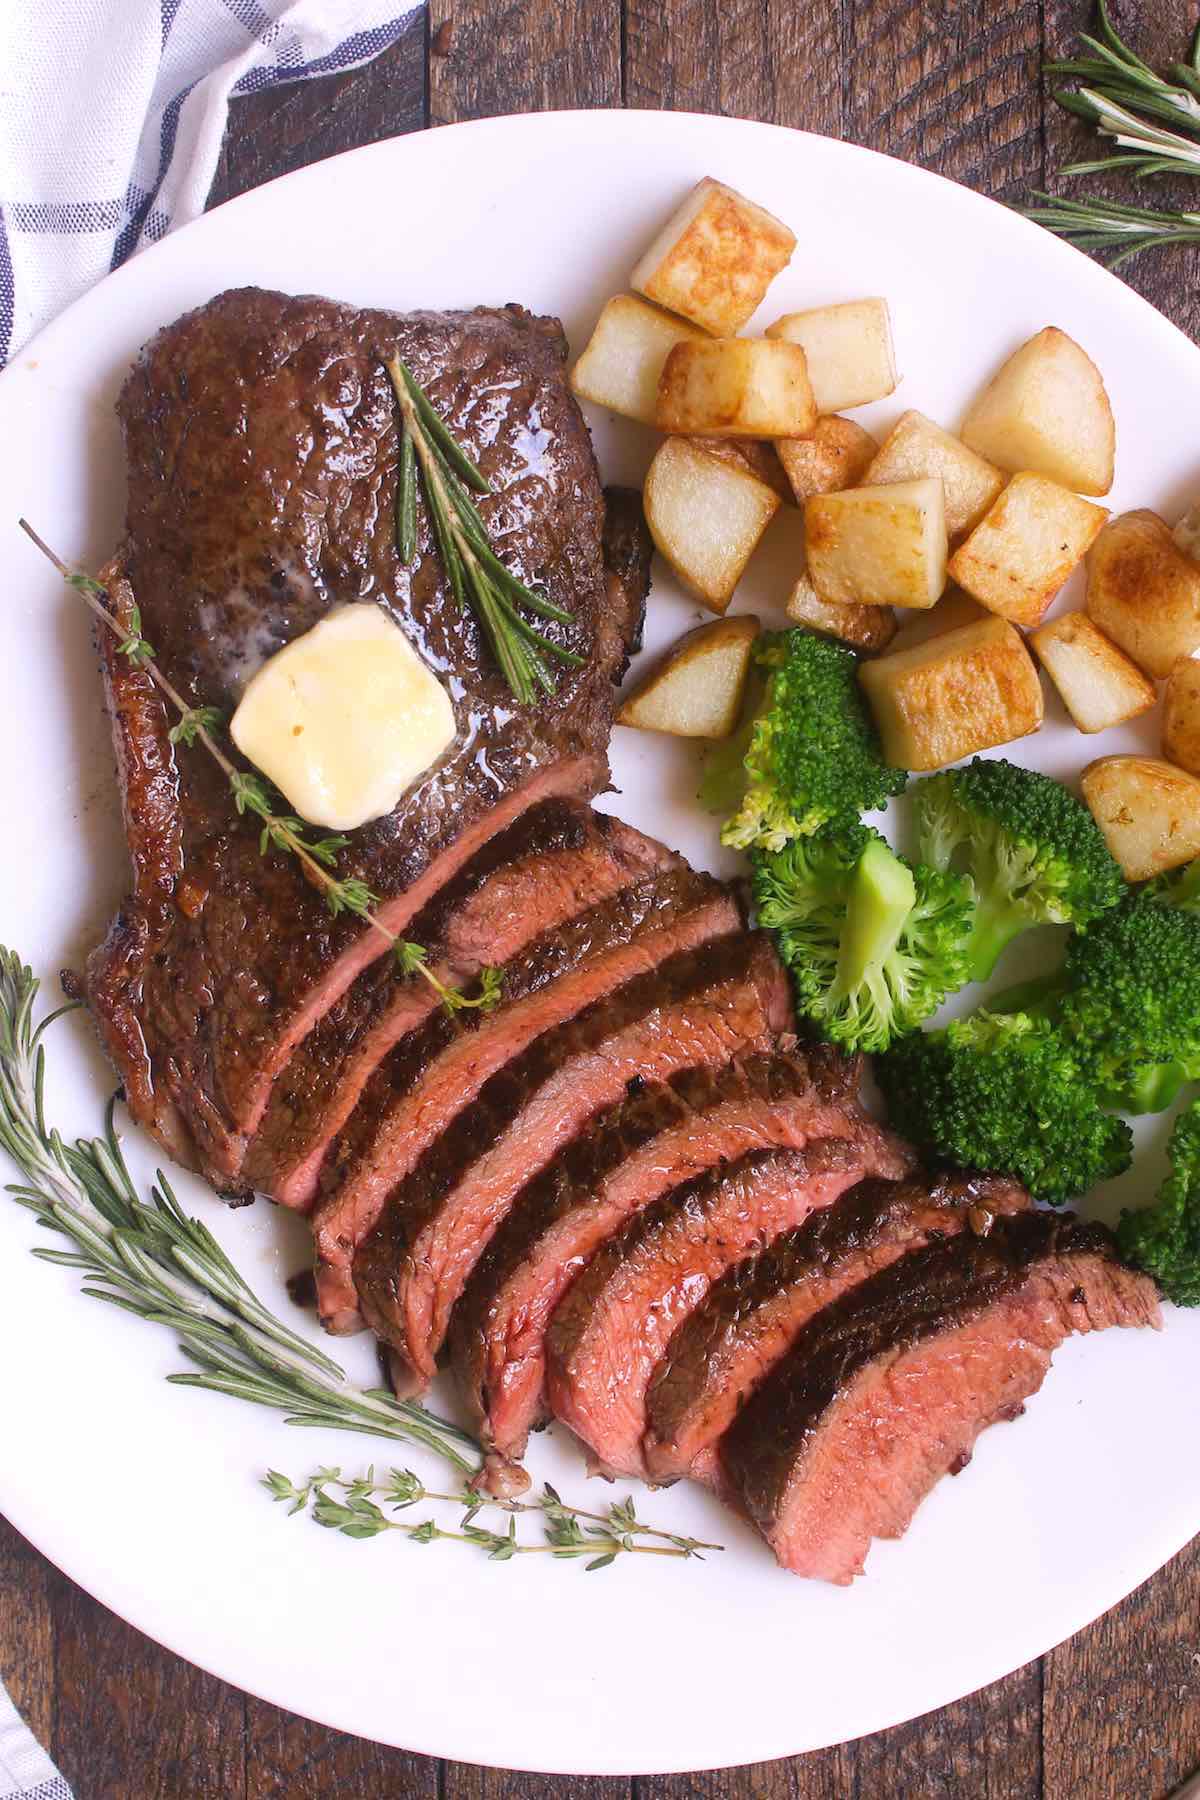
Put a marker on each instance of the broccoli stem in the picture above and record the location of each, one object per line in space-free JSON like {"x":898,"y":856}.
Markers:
{"x":882,"y":895}
{"x":997,"y":923}
{"x":1153,"y":1088}
{"x":1035,"y":997}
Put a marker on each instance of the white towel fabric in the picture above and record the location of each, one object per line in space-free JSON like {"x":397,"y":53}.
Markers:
{"x":111,"y":119}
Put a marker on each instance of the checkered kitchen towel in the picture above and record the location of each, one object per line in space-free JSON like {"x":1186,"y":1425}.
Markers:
{"x":111,"y":118}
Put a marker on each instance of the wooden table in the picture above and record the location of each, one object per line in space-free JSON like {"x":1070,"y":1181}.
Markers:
{"x":1113,"y":1715}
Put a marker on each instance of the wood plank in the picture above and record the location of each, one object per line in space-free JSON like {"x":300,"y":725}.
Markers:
{"x":987,"y":1746}
{"x":1122,"y":1699}
{"x":27,"y":1631}
{"x":824,"y":1775}
{"x":282,"y":129}
{"x":531,"y":56}
{"x":288,"y":1758}
{"x":464,"y":1781}
{"x":1160,"y":32}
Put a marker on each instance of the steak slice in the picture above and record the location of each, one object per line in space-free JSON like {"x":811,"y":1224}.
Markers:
{"x":261,"y":442}
{"x":649,"y":1142}
{"x":608,"y":1334}
{"x":700,"y":1006}
{"x":438,"y":1070}
{"x":887,"y":1390}
{"x":556,"y":860}
{"x":754,"y":1314}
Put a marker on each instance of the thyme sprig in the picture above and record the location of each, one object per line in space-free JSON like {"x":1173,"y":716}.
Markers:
{"x":280,"y":831}
{"x":476,"y":575}
{"x":153,"y":1261}
{"x":1155,"y":123}
{"x":570,"y":1532}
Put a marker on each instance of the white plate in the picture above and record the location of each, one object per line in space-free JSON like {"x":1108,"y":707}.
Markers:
{"x":146,"y":1494}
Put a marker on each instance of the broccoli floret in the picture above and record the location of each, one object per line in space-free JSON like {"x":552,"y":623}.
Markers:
{"x":1005,"y":1095}
{"x":1033,"y":852}
{"x":808,"y":754}
{"x":1164,"y":1239}
{"x":874,"y":947}
{"x":1132,"y":1001}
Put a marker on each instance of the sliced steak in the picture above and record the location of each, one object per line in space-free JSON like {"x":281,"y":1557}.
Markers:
{"x":610,"y":1331}
{"x":701,"y":1006}
{"x":437,"y":1071}
{"x":261,"y":441}
{"x":649,"y":1142}
{"x":887,"y":1390}
{"x":754,"y":1314}
{"x":557,"y":859}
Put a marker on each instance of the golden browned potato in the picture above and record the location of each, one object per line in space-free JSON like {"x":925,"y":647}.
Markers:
{"x":867,"y":628}
{"x":1025,"y":546}
{"x":735,"y":387}
{"x":752,"y":455}
{"x":1187,"y":532}
{"x":1149,"y":812}
{"x":697,"y":690}
{"x":625,"y":354}
{"x":1181,"y":716}
{"x":953,"y":610}
{"x":1098,"y":683}
{"x":1144,"y":592}
{"x":833,"y":456}
{"x":963,"y":691}
{"x":915,"y":446}
{"x":1047,"y":410}
{"x":849,"y":350}
{"x":878,"y":546}
{"x":715,"y":258}
{"x":706,"y":517}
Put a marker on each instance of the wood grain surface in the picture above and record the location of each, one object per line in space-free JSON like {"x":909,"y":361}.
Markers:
{"x":1115,"y":1713}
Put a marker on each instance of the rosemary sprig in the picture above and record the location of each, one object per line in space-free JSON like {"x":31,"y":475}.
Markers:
{"x":1155,"y":123}
{"x":280,"y":831}
{"x":152,"y":1260}
{"x":570,"y":1532}
{"x":475,"y":572}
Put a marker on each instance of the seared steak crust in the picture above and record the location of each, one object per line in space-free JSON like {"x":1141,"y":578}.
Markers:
{"x":753,"y":1315}
{"x":652,"y":1140}
{"x":261,"y":443}
{"x":889,"y":1387}
{"x":553,"y":862}
{"x":701,"y":1006}
{"x":438,"y":1069}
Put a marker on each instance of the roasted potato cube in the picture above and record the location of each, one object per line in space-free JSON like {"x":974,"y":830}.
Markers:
{"x":1144,"y":592}
{"x":878,"y":546}
{"x":1149,"y":812}
{"x":715,"y":258}
{"x":849,"y":351}
{"x":832,"y":456}
{"x":867,"y":628}
{"x":1025,"y":547}
{"x":953,"y":610}
{"x":1098,"y":684}
{"x":963,"y":691}
{"x":1181,"y":716}
{"x":915,"y":446}
{"x":625,"y":354}
{"x":735,"y":387}
{"x":1047,"y":410}
{"x":751,"y":455}
{"x":706,"y":517}
{"x":1187,"y":532}
{"x":696,"y":691}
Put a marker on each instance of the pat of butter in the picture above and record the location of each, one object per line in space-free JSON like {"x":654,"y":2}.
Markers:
{"x":345,"y":718}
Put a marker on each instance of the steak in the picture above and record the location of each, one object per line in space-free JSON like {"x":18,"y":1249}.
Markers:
{"x":701,"y":1006}
{"x":655,"y":1138}
{"x":887,"y":1389}
{"x":261,"y":441}
{"x":755,"y":1313}
{"x":609,"y":1333}
{"x":556,"y":860}
{"x":434,"y":1073}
